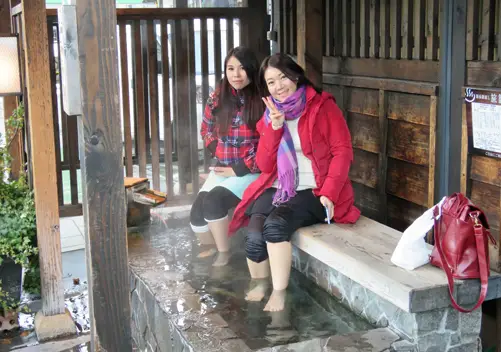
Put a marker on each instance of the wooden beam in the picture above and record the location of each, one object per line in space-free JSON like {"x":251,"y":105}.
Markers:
{"x":181,"y":11}
{"x":43,"y":154}
{"x":410,"y":87}
{"x":177,"y":13}
{"x":103,"y":177}
{"x":432,"y":151}
{"x":484,"y":73}
{"x":383,"y":68}
{"x":310,"y":25}
{"x":383,"y":157}
{"x":10,"y":103}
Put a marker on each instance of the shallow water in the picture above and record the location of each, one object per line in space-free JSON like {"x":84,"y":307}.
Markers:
{"x":310,"y":312}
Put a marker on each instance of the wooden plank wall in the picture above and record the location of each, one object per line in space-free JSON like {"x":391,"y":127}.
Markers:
{"x":393,"y":135}
{"x":381,"y":62}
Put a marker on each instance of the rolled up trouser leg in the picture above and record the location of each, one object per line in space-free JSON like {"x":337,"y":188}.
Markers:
{"x":197,"y":220}
{"x":279,"y":225}
{"x":255,"y":245}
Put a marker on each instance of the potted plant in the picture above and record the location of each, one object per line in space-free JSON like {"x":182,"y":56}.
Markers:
{"x":18,"y":243}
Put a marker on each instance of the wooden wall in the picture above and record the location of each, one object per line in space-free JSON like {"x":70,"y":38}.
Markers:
{"x":381,"y":62}
{"x":393,"y":134}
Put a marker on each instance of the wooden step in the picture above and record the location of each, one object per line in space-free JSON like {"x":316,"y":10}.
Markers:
{"x":134,"y":181}
{"x":149,"y":197}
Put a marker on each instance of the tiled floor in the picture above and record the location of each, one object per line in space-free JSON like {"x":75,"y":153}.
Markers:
{"x":72,"y":234}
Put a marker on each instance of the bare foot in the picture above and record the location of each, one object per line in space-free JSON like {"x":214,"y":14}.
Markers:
{"x":209,"y":252}
{"x":276,"y":302}
{"x":257,"y":293}
{"x":280,"y":320}
{"x":222,"y":259}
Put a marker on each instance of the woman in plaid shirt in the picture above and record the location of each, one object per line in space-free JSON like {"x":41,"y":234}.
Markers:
{"x":229,"y":133}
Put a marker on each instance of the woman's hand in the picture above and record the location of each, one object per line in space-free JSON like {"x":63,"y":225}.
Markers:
{"x":224,"y":171}
{"x":326,"y":202}
{"x":277,"y":117}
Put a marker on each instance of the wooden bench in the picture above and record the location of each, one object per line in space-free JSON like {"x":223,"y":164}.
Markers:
{"x":140,"y":199}
{"x":352,"y":262}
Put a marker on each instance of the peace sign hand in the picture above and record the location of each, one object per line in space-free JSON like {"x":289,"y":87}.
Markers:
{"x":277,"y":117}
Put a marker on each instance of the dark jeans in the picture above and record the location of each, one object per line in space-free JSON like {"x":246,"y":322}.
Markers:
{"x":277,"y":224}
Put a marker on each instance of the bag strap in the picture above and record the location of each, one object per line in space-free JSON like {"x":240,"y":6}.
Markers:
{"x":482,"y":263}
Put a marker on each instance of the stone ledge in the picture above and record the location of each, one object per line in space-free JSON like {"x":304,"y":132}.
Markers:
{"x":444,"y":329}
{"x":362,"y":252}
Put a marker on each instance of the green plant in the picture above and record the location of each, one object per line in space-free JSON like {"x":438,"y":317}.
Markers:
{"x":13,"y":126}
{"x":17,"y":215}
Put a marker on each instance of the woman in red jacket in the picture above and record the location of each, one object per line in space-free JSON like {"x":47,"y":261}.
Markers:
{"x":304,"y":154}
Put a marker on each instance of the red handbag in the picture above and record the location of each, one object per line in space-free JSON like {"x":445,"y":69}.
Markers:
{"x":461,"y":242}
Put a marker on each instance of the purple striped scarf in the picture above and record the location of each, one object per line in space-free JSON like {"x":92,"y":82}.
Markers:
{"x":288,"y":175}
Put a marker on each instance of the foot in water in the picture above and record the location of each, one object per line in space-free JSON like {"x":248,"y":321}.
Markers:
{"x":257,"y":293}
{"x":206,"y":251}
{"x":222,"y":259}
{"x":276,"y":302}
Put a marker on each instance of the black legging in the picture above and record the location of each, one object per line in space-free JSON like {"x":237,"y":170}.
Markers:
{"x":211,"y":206}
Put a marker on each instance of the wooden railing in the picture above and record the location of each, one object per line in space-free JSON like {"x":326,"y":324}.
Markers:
{"x":169,"y":62}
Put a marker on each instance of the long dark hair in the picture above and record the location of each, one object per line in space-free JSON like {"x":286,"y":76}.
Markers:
{"x":228,"y":102}
{"x":290,"y":69}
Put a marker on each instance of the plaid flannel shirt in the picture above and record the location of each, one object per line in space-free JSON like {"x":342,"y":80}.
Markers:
{"x":238,"y":147}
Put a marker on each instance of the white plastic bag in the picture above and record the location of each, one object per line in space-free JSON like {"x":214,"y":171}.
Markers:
{"x":411,"y":251}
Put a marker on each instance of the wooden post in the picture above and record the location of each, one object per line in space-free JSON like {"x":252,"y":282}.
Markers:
{"x":310,"y":25}
{"x":383,"y":157}
{"x":104,"y":203}
{"x":452,"y":79}
{"x":181,"y":100}
{"x":274,"y":36}
{"x":10,"y":103}
{"x":53,"y":321}
{"x":255,"y":27}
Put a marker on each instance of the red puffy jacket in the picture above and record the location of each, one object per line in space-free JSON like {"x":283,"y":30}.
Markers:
{"x":326,"y":141}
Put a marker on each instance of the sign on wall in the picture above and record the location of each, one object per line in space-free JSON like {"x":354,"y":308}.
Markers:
{"x":483,"y":116}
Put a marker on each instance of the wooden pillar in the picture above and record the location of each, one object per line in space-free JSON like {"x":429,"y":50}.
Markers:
{"x":104,"y":204}
{"x":309,"y":38}
{"x":53,"y":321}
{"x":43,"y":158}
{"x":10,"y":103}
